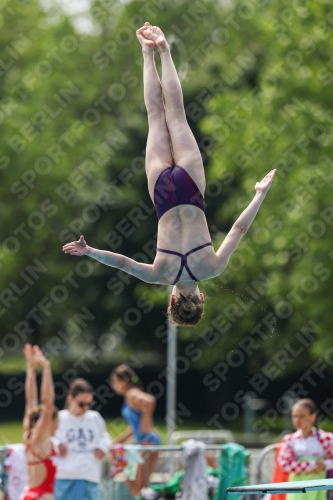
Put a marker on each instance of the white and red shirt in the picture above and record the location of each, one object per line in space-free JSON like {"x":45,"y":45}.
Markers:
{"x":318,"y":445}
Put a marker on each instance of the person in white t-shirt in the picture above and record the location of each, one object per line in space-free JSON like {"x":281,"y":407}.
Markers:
{"x":84,"y":442}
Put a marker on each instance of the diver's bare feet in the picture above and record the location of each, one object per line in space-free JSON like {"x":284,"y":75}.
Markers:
{"x":29,"y":355}
{"x":155,"y":34}
{"x":147,"y":45}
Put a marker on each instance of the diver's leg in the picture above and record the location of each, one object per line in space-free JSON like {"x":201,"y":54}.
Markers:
{"x":158,"y":152}
{"x":186,"y":152}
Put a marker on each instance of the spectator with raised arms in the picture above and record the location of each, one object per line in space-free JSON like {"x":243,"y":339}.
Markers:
{"x":40,"y":424}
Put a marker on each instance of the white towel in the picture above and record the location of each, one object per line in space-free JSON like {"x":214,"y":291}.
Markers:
{"x":133,"y":458}
{"x":194,"y":484}
{"x":16,"y":466}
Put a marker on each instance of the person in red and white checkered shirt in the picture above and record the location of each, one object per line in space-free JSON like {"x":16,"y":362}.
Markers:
{"x":308,"y":452}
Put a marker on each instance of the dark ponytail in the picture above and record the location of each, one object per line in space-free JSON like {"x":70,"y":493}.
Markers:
{"x":127,"y":374}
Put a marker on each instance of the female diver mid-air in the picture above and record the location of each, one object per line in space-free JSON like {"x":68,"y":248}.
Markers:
{"x":176,"y":184}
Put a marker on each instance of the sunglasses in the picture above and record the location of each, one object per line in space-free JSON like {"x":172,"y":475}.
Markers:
{"x":84,"y":405}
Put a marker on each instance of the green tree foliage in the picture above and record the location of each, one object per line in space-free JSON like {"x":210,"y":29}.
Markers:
{"x":276,"y":114}
{"x":74,"y":135}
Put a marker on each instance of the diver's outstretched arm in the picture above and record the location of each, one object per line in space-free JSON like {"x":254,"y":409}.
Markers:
{"x":145,"y":272}
{"x":243,"y":222}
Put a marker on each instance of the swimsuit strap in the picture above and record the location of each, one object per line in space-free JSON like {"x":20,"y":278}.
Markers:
{"x":182,"y":265}
{"x":169,"y":251}
{"x":184,"y":260}
{"x":199,"y":248}
{"x":40,"y":459}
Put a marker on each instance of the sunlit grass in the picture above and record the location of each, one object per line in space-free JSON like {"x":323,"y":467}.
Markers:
{"x":11,"y":432}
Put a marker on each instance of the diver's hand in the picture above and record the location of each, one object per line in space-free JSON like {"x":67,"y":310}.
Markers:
{"x":264,"y":185}
{"x":76,"y":247}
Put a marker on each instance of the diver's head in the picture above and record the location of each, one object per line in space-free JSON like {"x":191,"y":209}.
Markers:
{"x":186,"y":307}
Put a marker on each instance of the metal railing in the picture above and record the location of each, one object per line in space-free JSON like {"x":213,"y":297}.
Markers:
{"x":206,"y":435}
{"x":265,"y":464}
{"x":168,"y":464}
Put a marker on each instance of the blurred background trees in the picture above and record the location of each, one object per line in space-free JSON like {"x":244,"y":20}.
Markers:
{"x":257,"y":79}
